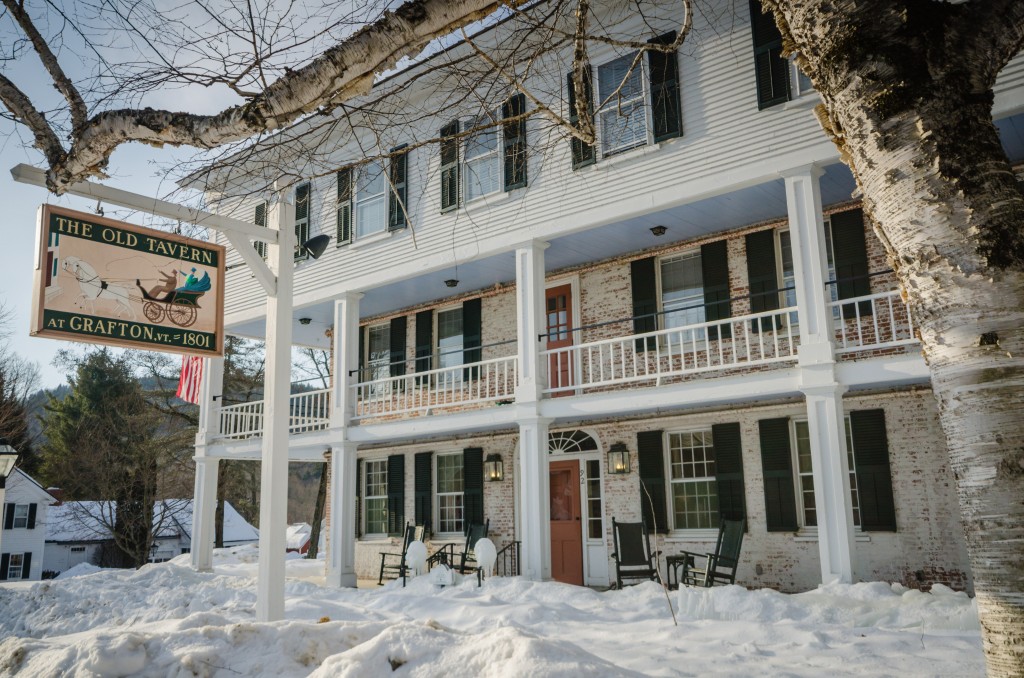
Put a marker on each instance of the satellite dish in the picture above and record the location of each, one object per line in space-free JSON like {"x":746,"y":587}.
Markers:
{"x":416,"y":557}
{"x":486,"y":555}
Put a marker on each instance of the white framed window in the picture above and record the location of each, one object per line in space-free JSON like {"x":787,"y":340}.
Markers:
{"x":450,"y":342}
{"x":370,"y":199}
{"x":450,"y":498}
{"x":15,"y":565}
{"x":378,"y":353}
{"x":20,"y":515}
{"x":804,"y":473}
{"x":623,"y":112}
{"x":787,"y":272}
{"x":376,"y":496}
{"x":694,"y":490}
{"x":682,"y":293}
{"x":482,"y":157}
{"x":77,"y":549}
{"x":799,"y":84}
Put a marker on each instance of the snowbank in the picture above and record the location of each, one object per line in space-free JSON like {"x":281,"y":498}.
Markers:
{"x":166,"y":620}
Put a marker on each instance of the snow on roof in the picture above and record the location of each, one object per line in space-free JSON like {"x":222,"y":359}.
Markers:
{"x":19,"y":478}
{"x":74,"y":521}
{"x":298,"y":534}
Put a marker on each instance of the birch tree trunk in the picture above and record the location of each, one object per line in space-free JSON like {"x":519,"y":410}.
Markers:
{"x":907,"y":92}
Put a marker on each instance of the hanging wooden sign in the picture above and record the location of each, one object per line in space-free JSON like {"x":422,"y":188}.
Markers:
{"x":109,"y":282}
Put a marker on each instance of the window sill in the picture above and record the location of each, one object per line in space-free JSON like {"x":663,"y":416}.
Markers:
{"x":811,"y":535}
{"x":677,"y":536}
{"x":367,"y":241}
{"x":490,"y":200}
{"x":808,"y":100}
{"x":375,"y":539}
{"x":623,"y":157}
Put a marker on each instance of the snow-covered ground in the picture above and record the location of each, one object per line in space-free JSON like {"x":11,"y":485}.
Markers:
{"x":166,"y":620}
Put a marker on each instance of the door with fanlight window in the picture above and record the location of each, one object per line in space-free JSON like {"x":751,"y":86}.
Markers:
{"x":566,"y":522}
{"x":558,"y":305}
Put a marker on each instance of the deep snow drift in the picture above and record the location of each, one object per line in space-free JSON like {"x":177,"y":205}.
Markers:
{"x":166,"y":620}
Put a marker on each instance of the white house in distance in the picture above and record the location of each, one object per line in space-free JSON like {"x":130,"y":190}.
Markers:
{"x":77,"y":532}
{"x":24,"y":528}
{"x":687,"y":321}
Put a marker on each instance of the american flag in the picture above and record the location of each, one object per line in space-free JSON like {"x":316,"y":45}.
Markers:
{"x":191,"y":378}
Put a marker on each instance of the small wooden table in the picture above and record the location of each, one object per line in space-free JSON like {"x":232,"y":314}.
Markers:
{"x":673,"y":563}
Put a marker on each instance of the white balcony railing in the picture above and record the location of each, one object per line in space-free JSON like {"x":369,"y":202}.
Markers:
{"x":308,"y":411}
{"x":874,"y":321}
{"x":456,"y":386}
{"x":742,"y":341}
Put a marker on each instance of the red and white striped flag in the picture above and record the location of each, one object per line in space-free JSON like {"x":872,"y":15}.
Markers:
{"x":191,"y":378}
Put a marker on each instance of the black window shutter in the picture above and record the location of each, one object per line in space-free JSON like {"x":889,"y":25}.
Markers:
{"x":851,"y":260}
{"x":396,"y":344}
{"x":651,"y":460}
{"x":514,"y":137}
{"x":396,"y":495}
{"x":5,"y":561}
{"x":450,"y":166}
{"x":32,"y":516}
{"x":344,"y":233}
{"x":9,"y":516}
{"x":665,"y":107}
{"x":26,"y":564}
{"x":762,"y":276}
{"x":424,"y":340}
{"x":398,"y":205}
{"x":582,"y":154}
{"x":777,"y":466}
{"x":645,"y":300}
{"x":471,"y":322}
{"x":364,"y":375}
{"x":732,"y":503}
{"x":473,"y":485}
{"x":359,"y":497}
{"x":424,"y":492}
{"x":874,"y":478}
{"x":714,"y":262}
{"x":260,"y":219}
{"x":771,"y":67}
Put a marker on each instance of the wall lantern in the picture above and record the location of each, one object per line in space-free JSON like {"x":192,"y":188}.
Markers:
{"x":618,"y":459}
{"x":494,"y":469}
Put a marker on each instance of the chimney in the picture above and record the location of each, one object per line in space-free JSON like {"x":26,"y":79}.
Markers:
{"x":57,"y":494}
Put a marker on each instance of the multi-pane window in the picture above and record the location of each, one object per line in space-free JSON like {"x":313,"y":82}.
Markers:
{"x":483,"y":161}
{"x":378,"y":352}
{"x":788,"y":283}
{"x":376,"y":500}
{"x":450,"y":342}
{"x":623,"y":112}
{"x":14,"y":567}
{"x":21,"y":515}
{"x":595,"y":523}
{"x":682,"y":290}
{"x":370,"y":203}
{"x":799,"y":84}
{"x":805,"y":474}
{"x":450,"y":489}
{"x":692,"y":480}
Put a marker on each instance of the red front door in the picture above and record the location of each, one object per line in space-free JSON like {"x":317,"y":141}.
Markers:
{"x":559,"y":321}
{"x":566,"y":526}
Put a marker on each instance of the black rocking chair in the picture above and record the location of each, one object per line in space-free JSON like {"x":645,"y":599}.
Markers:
{"x":395,"y":562}
{"x":466,"y":561}
{"x":633,"y":556}
{"x":718,"y":567}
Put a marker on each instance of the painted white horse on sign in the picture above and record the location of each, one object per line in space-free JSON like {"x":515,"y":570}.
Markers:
{"x":92,"y":287}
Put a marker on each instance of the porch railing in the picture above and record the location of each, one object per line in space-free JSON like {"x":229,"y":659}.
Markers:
{"x":507,"y":564}
{"x":457,"y":386}
{"x":307,"y":411}
{"x":742,"y":341}
{"x":873,"y":321}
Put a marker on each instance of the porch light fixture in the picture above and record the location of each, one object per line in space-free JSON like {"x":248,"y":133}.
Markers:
{"x":659,"y":230}
{"x":494,"y":469}
{"x":305,"y":321}
{"x":618,"y":459}
{"x":315,"y":246}
{"x":451,"y":282}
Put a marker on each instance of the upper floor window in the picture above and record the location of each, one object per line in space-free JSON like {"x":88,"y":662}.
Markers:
{"x":694,"y":499}
{"x":779,"y":79}
{"x":623,"y":114}
{"x":450,"y":342}
{"x":682,"y":290}
{"x":376,"y":501}
{"x":450,"y":494}
{"x":788,"y":278}
{"x":489,"y":158}
{"x":374,"y":196}
{"x":20,"y":515}
{"x":378,"y":352}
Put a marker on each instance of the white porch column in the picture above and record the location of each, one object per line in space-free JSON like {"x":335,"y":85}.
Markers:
{"x":824,"y":395}
{"x":534,"y":494}
{"x":530,"y":320}
{"x":341,"y":534}
{"x":341,"y":530}
{"x":204,"y":499}
{"x":277,"y":386}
